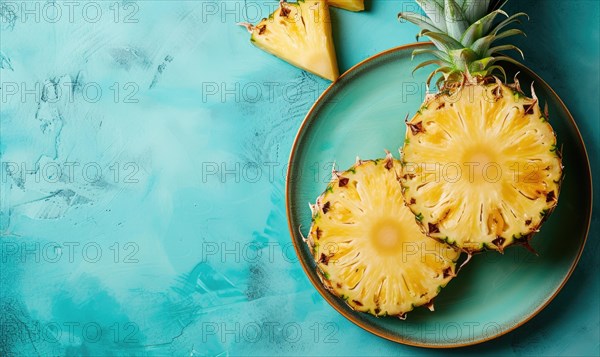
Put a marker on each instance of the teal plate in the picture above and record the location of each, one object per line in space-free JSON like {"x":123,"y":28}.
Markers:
{"x":361,"y":114}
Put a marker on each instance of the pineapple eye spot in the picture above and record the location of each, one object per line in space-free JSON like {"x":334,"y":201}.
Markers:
{"x":387,"y":237}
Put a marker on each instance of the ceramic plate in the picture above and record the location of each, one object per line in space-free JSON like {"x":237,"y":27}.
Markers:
{"x":362,"y":114}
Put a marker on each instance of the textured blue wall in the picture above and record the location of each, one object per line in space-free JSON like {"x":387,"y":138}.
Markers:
{"x":143,"y":148}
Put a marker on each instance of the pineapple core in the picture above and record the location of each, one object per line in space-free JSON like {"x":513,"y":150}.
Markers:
{"x":478,"y":162}
{"x":387,"y":237}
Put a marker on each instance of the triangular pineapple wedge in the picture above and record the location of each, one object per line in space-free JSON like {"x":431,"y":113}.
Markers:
{"x":352,"y":5}
{"x":299,"y":33}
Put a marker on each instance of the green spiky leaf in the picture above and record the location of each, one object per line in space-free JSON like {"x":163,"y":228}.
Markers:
{"x":481,"y":64}
{"x":475,"y":9}
{"x":503,"y":48}
{"x":502,"y":58}
{"x":456,"y":23}
{"x":446,"y":71}
{"x":510,"y":20}
{"x":482,"y":45}
{"x":462,"y":57}
{"x":419,"y":20}
{"x":435,"y":11}
{"x":492,"y":69}
{"x":428,"y":63}
{"x":442,"y":41}
{"x":509,"y":33}
{"x":480,"y":27}
{"x":439,"y":54}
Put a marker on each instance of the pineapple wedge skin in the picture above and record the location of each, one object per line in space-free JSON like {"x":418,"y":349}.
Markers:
{"x":351,"y":5}
{"x":300,"y":34}
{"x":388,"y":277}
{"x":509,"y":167}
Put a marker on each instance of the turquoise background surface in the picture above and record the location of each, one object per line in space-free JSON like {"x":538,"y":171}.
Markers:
{"x":143,"y":148}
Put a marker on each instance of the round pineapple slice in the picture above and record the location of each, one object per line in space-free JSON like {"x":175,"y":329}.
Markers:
{"x":367,"y":247}
{"x":481,"y":167}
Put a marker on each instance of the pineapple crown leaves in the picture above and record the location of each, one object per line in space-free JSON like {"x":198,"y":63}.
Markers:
{"x":464,"y":33}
